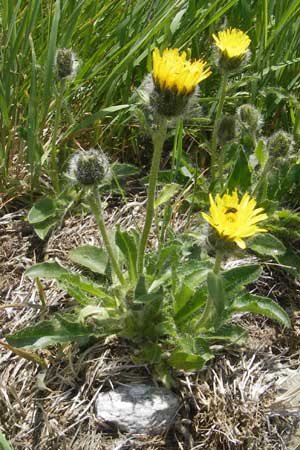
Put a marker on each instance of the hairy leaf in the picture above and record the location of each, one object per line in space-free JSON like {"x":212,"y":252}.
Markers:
{"x":266,"y":244}
{"x":91,"y":257}
{"x":261,"y":305}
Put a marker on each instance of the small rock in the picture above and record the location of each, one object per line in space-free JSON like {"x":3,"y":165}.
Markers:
{"x":138,"y":409}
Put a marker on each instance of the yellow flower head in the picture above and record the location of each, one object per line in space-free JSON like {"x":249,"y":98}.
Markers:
{"x":235,"y":220}
{"x":173,"y":72}
{"x":232,"y":43}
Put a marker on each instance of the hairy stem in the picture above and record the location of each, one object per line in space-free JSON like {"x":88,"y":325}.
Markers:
{"x":207,"y":318}
{"x":96,"y":208}
{"x":158,"y":138}
{"x":218,"y":262}
{"x":262,"y":182}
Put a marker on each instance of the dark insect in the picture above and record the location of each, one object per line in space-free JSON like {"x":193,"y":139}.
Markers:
{"x":231,"y":210}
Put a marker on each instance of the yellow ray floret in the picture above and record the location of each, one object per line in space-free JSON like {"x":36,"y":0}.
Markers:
{"x":172,"y":71}
{"x":233,"y":43}
{"x":235,"y":220}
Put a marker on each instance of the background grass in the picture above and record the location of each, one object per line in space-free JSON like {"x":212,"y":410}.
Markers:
{"x":113,"y":41}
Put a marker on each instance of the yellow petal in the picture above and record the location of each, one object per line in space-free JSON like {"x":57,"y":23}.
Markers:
{"x":240,"y":243}
{"x":173,"y":71}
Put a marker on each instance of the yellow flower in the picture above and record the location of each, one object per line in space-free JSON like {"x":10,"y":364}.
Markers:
{"x":235,"y":220}
{"x":173,"y":72}
{"x":233,"y":43}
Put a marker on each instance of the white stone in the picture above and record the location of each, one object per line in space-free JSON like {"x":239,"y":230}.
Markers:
{"x":138,"y":409}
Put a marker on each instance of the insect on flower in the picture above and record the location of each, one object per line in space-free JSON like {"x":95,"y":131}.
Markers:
{"x":231,"y":210}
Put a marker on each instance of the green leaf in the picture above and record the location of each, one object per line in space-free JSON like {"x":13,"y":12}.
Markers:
{"x":91,"y":257}
{"x":4,"y":444}
{"x":167,"y":192}
{"x":149,"y":354}
{"x":140,"y":289}
{"x":266,"y":244}
{"x":166,"y":255}
{"x":125,"y":170}
{"x":84,"y":284}
{"x":228,"y":333}
{"x":288,"y":217}
{"x":52,"y":45}
{"x":260,"y":305}
{"x":141,"y":295}
{"x":241,"y":175}
{"x":290,"y":259}
{"x":261,"y":153}
{"x":42,"y":228}
{"x":42,"y":210}
{"x":182,"y":296}
{"x":188,"y":361}
{"x":235,"y":279}
{"x":194,"y":273}
{"x":188,"y":311}
{"x":46,"y":270}
{"x":49,"y":332}
{"x":127,"y":243}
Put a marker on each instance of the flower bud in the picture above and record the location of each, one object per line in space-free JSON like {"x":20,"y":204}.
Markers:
{"x":249,"y":117}
{"x":226,"y":129}
{"x":90,"y":168}
{"x":280,"y":144}
{"x":66,"y":63}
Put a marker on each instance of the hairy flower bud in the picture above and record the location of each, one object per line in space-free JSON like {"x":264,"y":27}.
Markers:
{"x":226,"y":129}
{"x":66,"y":63}
{"x":249,"y":117}
{"x":90,"y":168}
{"x":280,"y":144}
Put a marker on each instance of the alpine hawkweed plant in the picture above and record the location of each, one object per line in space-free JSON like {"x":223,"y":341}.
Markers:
{"x":182,"y":301}
{"x":232,"y":51}
{"x":174,"y":83}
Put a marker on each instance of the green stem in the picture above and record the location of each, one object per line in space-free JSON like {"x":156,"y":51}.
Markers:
{"x":96,"y":208}
{"x":206,"y":319}
{"x":262,"y":182}
{"x":158,"y":138}
{"x":221,"y":164}
{"x":218,"y":262}
{"x":214,"y":138}
{"x":54,"y":167}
